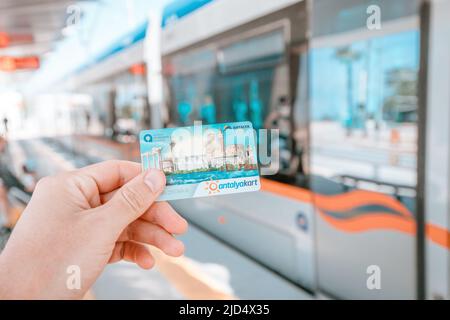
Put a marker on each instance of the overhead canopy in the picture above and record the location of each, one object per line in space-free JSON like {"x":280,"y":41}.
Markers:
{"x":106,"y":32}
{"x":31,"y":27}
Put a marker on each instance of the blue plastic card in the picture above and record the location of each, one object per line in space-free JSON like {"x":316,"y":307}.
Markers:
{"x":203,"y":160}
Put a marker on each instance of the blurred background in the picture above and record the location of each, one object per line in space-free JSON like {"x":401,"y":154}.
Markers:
{"x":358,"y":89}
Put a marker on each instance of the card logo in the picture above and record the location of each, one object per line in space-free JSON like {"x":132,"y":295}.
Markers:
{"x":238,"y":185}
{"x":302,"y":222}
{"x":216,"y":186}
{"x":212,"y":187}
{"x":148,"y":137}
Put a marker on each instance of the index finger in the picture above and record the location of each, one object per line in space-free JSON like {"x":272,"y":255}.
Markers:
{"x":112,"y":174}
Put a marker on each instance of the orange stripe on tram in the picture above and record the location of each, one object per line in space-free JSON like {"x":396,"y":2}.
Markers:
{"x":286,"y":190}
{"x":438,"y":235}
{"x":374,"y":221}
{"x":347,"y":201}
{"x":356,"y":198}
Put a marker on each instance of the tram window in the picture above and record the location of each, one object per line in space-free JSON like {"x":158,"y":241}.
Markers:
{"x":190,"y":78}
{"x":193,"y":99}
{"x":221,"y":98}
{"x":363,"y":118}
{"x":246,"y":81}
{"x":245,"y":97}
{"x":232,"y":83}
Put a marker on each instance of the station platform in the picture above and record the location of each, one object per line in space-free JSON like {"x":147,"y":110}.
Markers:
{"x":210,"y":269}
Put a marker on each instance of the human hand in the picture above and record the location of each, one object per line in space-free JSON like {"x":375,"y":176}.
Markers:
{"x":87,"y":218}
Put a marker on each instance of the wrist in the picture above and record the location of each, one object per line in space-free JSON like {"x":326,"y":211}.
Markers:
{"x":15,"y":281}
{"x":6,"y":287}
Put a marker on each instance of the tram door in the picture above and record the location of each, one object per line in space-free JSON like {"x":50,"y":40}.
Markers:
{"x":364,"y":146}
{"x":242,"y":75}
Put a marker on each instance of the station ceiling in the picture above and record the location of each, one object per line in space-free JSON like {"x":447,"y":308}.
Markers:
{"x":30,"y":28}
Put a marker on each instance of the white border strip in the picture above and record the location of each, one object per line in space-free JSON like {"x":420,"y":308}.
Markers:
{"x":345,"y":38}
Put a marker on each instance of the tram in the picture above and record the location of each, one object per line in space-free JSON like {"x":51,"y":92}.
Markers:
{"x":356,"y":190}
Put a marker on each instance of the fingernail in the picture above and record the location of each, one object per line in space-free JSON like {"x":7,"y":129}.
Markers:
{"x":154,"y":179}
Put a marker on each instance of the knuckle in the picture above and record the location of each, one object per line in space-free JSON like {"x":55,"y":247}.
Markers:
{"x":41,"y":183}
{"x":46,"y":182}
{"x":132,"y":198}
{"x":160,"y":238}
{"x":111,"y":162}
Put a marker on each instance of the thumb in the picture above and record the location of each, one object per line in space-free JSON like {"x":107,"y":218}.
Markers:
{"x":133,"y":198}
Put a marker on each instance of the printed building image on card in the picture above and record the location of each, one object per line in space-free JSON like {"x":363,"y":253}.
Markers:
{"x":204,"y":160}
